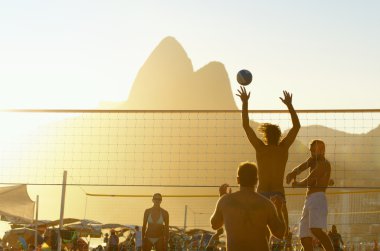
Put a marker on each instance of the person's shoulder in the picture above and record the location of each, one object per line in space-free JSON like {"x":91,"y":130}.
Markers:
{"x":323,"y":162}
{"x":226,"y":197}
{"x":265,"y":202}
{"x":262,"y":198}
{"x":165,"y":211}
{"x":147,"y":211}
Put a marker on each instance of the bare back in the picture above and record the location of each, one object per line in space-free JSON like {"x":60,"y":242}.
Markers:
{"x":246,"y":216}
{"x":271,"y":162}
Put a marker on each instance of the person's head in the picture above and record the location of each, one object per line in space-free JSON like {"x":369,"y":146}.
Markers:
{"x":317,"y":148}
{"x":333,"y":229}
{"x":113,"y":231}
{"x":247,"y":174}
{"x":271,"y":133}
{"x":157,"y":199}
{"x":137,"y":228}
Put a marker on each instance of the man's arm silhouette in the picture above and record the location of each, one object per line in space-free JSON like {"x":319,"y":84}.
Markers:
{"x":252,"y":137}
{"x":292,"y":134}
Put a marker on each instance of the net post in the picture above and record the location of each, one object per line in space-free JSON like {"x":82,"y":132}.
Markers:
{"x":62,"y":209}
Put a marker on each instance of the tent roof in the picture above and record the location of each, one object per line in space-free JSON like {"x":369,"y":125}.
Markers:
{"x":16,"y":206}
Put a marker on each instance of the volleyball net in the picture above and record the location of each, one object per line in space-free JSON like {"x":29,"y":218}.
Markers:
{"x":118,"y":157}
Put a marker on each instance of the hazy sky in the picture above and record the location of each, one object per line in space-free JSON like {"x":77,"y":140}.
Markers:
{"x":74,"y":54}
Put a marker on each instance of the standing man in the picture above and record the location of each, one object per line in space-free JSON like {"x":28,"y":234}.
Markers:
{"x":271,"y":152}
{"x":246,"y":215}
{"x":335,"y":238}
{"x":314,"y":213}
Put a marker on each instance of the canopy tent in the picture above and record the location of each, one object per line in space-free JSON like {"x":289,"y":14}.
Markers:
{"x":16,"y":205}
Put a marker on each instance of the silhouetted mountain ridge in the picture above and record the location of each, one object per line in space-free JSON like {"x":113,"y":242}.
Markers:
{"x":167,"y":81}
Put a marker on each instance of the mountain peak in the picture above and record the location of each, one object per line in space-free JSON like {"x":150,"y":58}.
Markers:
{"x":167,"y":81}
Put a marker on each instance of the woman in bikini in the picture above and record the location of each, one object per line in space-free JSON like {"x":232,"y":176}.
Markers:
{"x":156,"y":234}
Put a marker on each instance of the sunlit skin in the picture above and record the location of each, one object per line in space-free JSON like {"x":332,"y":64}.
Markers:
{"x":317,"y":181}
{"x":246,"y":215}
{"x":153,"y":229}
{"x":271,"y":155}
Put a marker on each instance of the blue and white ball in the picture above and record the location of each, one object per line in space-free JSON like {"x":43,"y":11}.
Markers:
{"x":244,"y":77}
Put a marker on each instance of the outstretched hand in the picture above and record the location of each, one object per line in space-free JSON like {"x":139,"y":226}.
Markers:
{"x":223,"y":189}
{"x":287,"y":100}
{"x":242,"y":93}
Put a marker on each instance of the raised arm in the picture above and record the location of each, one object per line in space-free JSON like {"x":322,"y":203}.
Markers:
{"x":252,"y":137}
{"x":292,"y":134}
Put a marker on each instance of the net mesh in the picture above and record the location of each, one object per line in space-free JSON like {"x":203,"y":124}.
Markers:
{"x":186,"y":153}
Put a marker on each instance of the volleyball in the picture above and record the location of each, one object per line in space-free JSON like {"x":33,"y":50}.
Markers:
{"x":244,"y":77}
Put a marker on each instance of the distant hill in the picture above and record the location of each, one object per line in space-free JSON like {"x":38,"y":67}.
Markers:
{"x":167,"y":81}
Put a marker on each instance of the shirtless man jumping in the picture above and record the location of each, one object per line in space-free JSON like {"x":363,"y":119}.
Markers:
{"x":271,"y":153}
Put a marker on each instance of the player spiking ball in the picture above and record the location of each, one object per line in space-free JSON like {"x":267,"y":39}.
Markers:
{"x":244,"y":77}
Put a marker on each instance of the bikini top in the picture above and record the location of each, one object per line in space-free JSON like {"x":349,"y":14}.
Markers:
{"x":160,"y":220}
